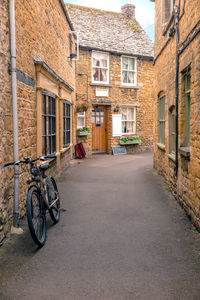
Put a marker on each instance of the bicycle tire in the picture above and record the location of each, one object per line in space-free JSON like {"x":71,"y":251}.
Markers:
{"x":52,"y":192}
{"x":36,"y":217}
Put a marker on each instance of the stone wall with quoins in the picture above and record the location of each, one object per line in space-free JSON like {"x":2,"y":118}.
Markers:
{"x":142,"y":96}
{"x":42,"y":44}
{"x":186,"y":185}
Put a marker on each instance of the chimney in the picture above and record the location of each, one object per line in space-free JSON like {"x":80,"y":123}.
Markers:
{"x":128,"y":10}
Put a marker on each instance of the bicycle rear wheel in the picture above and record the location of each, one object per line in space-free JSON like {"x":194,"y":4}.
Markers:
{"x":36,"y":217}
{"x":54,"y":199}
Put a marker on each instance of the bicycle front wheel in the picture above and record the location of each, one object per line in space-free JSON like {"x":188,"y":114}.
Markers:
{"x":36,"y":217}
{"x":54,"y":199}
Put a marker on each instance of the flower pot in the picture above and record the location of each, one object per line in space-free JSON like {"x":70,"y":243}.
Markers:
{"x":133,"y":142}
{"x":82,"y":133}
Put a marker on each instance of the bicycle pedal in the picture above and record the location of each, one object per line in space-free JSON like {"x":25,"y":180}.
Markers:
{"x":62,"y":209}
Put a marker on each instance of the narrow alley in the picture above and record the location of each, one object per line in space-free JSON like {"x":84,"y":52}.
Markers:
{"x":123,"y":236}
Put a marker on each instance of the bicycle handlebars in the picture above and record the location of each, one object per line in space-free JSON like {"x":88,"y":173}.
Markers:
{"x":27,"y":160}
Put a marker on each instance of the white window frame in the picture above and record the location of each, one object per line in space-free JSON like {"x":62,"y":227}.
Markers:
{"x":164,"y":22}
{"x":134,"y":121}
{"x":107,"y":68}
{"x":135,"y":71}
{"x":82,"y":116}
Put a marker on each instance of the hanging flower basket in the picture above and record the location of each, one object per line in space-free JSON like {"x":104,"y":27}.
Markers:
{"x":83,"y":106}
{"x":130,"y":140}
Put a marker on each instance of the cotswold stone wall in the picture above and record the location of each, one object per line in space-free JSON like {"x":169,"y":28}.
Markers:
{"x":42,"y":31}
{"x":118,"y":94}
{"x":186,"y":186}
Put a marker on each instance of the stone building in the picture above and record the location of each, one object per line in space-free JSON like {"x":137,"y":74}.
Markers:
{"x":114,"y":73}
{"x":45,"y":92}
{"x":177,"y":100}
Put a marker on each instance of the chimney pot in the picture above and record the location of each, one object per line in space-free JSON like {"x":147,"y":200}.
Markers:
{"x":128,"y":10}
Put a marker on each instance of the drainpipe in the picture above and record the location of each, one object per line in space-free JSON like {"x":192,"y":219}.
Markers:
{"x":14,"y":111}
{"x":177,"y":82}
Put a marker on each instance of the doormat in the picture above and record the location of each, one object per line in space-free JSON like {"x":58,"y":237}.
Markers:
{"x":119,"y":150}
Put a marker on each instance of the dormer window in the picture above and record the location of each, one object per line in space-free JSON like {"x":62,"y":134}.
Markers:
{"x":167,"y":9}
{"x":100,"y":67}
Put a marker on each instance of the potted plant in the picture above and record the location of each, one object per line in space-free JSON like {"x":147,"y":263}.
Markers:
{"x":83,"y":131}
{"x":130,"y":140}
{"x":83,"y":106}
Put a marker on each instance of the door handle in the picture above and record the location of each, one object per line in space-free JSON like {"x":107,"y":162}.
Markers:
{"x":105,"y":129}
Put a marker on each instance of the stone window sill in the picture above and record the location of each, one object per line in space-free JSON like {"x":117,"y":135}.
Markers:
{"x":172,"y":156}
{"x":185,"y":152}
{"x":161,"y":146}
{"x":101,"y":84}
{"x":135,"y":87}
{"x":65,"y":149}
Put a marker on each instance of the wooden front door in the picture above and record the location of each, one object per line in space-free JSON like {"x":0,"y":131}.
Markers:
{"x":99,"y":128}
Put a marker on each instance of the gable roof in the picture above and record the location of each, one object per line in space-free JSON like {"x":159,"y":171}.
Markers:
{"x":110,"y":31}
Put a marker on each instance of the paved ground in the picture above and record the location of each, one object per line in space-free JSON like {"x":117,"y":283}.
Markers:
{"x":123,"y":237}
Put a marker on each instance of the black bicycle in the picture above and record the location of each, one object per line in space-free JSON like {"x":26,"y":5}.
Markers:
{"x":42,"y":195}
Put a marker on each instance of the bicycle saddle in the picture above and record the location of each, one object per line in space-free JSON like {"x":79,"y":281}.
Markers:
{"x":44,"y":166}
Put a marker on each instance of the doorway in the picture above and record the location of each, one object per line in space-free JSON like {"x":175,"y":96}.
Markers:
{"x":99,"y":128}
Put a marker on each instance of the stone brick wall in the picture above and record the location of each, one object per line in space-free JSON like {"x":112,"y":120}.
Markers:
{"x":142,"y":96}
{"x":42,"y":31}
{"x":186,"y":185}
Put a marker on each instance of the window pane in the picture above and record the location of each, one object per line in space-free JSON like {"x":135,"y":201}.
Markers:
{"x":80,"y":122}
{"x":131,"y":64}
{"x":96,"y":74}
{"x":130,"y":114}
{"x":103,"y":63}
{"x":124,"y":114}
{"x":130,"y":77}
{"x":125,"y":77}
{"x":125,"y":63}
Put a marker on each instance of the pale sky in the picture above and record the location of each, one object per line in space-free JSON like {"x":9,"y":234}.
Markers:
{"x":144,"y":10}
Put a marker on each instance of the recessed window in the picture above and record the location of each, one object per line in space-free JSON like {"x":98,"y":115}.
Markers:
{"x":161,"y":119}
{"x":128,"y":120}
{"x":100,"y":67}
{"x":66,"y":124}
{"x":49,"y":124}
{"x":167,"y":9}
{"x":129,"y":71}
{"x":186,"y":103}
{"x":81,"y":119}
{"x":172,"y":130}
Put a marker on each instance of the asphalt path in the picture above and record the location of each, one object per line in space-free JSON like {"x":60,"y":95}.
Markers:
{"x":123,"y":236}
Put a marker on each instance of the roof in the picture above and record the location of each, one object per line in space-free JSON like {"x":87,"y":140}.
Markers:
{"x":109,"y":31}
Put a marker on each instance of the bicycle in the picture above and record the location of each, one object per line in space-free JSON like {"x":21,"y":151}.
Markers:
{"x":42,"y":195}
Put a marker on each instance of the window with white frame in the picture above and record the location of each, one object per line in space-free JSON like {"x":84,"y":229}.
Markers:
{"x":129,"y":70}
{"x":167,"y":8}
{"x":81,"y":119}
{"x":100,"y":67}
{"x":129,"y":120}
